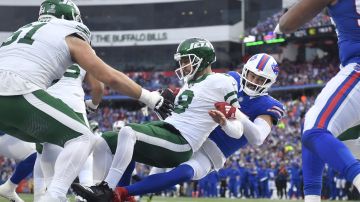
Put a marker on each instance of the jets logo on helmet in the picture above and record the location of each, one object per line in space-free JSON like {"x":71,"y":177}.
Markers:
{"x":199,"y":44}
{"x":193,"y":55}
{"x":63,"y":9}
{"x":264,"y":69}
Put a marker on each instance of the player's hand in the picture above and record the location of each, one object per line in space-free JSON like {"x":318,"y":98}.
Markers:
{"x":228,"y":110}
{"x":90,"y":107}
{"x":176,"y":91}
{"x":167,"y":94}
{"x":167,"y":105}
{"x":218,"y":117}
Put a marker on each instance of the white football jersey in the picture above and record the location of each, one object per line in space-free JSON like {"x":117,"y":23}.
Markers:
{"x":37,"y":53}
{"x":193,"y":103}
{"x":69,"y":88}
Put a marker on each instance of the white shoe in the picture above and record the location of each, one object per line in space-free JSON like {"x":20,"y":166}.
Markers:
{"x":8,"y":191}
{"x":48,"y":198}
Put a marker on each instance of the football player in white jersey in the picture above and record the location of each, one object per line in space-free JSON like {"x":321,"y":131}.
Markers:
{"x":30,"y":60}
{"x":69,"y":89}
{"x":168,"y":143}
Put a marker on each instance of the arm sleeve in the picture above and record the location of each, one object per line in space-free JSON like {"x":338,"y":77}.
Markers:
{"x":230,"y":91}
{"x":255,"y":132}
{"x":233,"y":128}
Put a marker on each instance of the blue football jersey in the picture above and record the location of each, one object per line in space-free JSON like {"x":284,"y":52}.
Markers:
{"x":346,"y":16}
{"x":252,"y":107}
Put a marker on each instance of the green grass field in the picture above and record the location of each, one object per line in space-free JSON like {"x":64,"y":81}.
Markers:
{"x":28,"y":198}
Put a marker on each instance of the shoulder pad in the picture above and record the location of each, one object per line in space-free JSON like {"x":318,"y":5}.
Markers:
{"x":75,"y":27}
{"x":84,"y":32}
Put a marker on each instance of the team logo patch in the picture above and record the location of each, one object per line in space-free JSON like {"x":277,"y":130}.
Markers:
{"x":253,"y":58}
{"x":275,"y":68}
{"x":357,"y":68}
{"x":200,"y":44}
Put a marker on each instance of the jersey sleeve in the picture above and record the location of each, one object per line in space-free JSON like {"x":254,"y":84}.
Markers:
{"x":230,"y":90}
{"x":236,"y":76}
{"x":74,"y":28}
{"x":274,"y":109}
{"x":83,"y":32}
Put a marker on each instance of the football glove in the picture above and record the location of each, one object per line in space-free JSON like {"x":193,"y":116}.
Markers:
{"x":168,"y":104}
{"x":228,"y":110}
{"x":90,"y":107}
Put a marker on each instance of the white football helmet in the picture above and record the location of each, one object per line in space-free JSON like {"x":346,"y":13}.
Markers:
{"x":117,"y":125}
{"x":262,"y":65}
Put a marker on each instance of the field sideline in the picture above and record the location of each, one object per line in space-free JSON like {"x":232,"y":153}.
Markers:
{"x":28,"y":198}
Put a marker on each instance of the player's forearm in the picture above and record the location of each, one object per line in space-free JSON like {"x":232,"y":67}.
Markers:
{"x":255,"y":132}
{"x":85,"y":56}
{"x":123,"y":84}
{"x":233,"y":128}
{"x":300,"y":14}
{"x":97,"y":93}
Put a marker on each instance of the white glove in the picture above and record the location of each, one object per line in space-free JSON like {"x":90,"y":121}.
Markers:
{"x":155,"y":101}
{"x":277,"y":29}
{"x":90,"y":106}
{"x":151,"y":99}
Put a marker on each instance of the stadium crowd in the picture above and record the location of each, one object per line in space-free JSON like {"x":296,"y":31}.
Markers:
{"x":269,"y":24}
{"x":316,"y":72}
{"x":292,"y":73}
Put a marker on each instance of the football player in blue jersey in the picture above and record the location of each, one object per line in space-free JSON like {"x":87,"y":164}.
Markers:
{"x":257,"y":114}
{"x":337,"y":107}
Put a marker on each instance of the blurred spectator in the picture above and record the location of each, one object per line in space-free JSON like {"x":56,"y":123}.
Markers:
{"x":269,"y":24}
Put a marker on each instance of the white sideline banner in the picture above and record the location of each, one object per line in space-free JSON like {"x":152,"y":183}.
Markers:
{"x":158,"y":36}
{"x":155,"y":37}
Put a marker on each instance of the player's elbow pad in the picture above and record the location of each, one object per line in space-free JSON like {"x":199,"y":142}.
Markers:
{"x":233,"y":128}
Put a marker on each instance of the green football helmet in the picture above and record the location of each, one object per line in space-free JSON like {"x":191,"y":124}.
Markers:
{"x":193,"y":55}
{"x":63,"y":9}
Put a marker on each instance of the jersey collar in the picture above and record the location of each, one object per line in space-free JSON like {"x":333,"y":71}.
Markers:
{"x":200,"y":79}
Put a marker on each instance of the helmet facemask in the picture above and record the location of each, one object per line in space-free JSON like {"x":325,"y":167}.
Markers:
{"x":255,"y":89}
{"x":188,"y":66}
